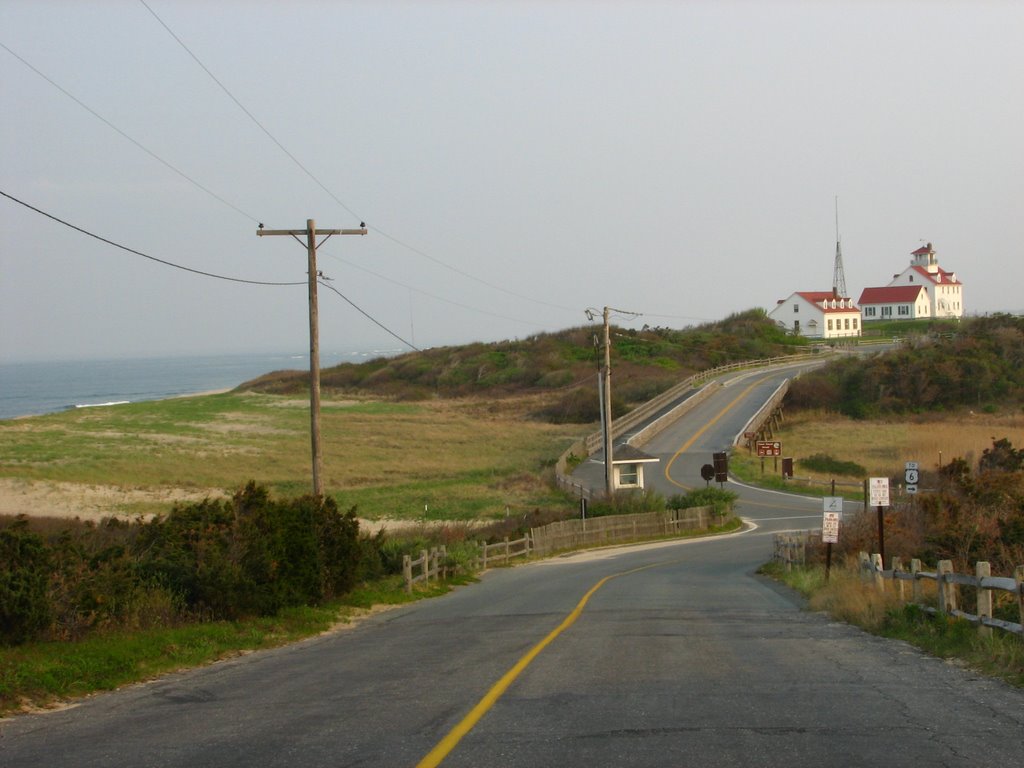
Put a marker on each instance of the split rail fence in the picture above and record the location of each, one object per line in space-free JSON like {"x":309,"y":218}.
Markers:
{"x":948,"y":585}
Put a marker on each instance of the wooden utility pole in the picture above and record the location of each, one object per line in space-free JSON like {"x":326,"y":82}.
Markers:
{"x":314,"y":335}
{"x":606,"y":406}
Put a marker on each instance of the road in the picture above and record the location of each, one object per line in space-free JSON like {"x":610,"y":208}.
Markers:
{"x":666,"y":654}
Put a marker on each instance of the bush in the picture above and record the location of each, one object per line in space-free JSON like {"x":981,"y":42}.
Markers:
{"x":822,"y":462}
{"x":719,"y":499}
{"x":24,"y":576}
{"x":252,"y":555}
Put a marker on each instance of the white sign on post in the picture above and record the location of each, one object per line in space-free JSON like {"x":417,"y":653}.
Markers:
{"x":834,"y":504}
{"x":911,"y":475}
{"x":830,"y":528}
{"x":878,"y":491}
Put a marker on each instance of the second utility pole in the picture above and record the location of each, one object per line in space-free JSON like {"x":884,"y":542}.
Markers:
{"x":314,"y":336}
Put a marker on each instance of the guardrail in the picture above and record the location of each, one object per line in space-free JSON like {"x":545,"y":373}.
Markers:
{"x":591,"y":443}
{"x":948,"y":584}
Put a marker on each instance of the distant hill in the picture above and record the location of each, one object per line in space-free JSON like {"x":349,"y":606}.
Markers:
{"x":560,"y":368}
{"x":977,"y":363}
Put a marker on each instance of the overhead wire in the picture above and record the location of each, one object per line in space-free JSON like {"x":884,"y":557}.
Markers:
{"x":140,"y":253}
{"x":199,"y":271}
{"x":333,"y":196}
{"x":134,"y":141}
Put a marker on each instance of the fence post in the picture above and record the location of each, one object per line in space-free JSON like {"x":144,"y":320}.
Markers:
{"x":915,"y":568}
{"x":876,"y":567}
{"x":983,"y":570}
{"x":483,"y":552}
{"x":407,"y":572}
{"x":426,"y":565}
{"x":947,"y":591}
{"x":1019,"y":576}
{"x":444,"y":561}
{"x":507,"y":558}
{"x":897,"y":567}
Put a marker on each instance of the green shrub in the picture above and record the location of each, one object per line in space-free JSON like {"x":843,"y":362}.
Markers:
{"x":25,"y":565}
{"x":822,"y":462}
{"x":719,"y":499}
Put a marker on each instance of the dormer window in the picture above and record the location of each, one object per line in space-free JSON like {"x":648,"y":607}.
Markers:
{"x":910,"y":278}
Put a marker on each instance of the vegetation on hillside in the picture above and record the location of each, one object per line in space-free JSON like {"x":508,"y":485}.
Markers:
{"x":979,"y":365}
{"x":563,"y":365}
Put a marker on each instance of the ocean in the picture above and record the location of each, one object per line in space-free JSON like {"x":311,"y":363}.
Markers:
{"x":33,"y":388}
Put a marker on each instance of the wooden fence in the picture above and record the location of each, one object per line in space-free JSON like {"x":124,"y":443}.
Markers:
{"x":790,"y":548}
{"x":948,"y":584}
{"x":429,"y":565}
{"x":567,"y":534}
{"x":612,"y":529}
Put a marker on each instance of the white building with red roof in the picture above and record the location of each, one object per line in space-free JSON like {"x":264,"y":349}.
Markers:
{"x":923,"y":289}
{"x":818,"y":315}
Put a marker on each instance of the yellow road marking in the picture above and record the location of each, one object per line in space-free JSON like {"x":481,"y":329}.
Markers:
{"x":701,"y":431}
{"x":447,"y":744}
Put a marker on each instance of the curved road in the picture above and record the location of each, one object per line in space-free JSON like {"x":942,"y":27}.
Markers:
{"x":667,"y":654}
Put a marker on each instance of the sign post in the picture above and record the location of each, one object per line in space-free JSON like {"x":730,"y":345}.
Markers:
{"x":769,"y":448}
{"x":878,"y":490}
{"x":911,"y":476}
{"x":833,"y":515}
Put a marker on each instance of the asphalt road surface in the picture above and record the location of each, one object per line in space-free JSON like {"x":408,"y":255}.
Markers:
{"x":673,"y":654}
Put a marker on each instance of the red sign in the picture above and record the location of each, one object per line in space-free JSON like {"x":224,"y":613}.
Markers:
{"x":769,"y":448}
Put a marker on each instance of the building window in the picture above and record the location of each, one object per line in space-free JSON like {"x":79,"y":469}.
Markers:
{"x":903,"y":309}
{"x":846,"y":324}
{"x":629,"y":475}
{"x":855,"y":323}
{"x":796,"y":307}
{"x":830,"y":325}
{"x":886,"y":311}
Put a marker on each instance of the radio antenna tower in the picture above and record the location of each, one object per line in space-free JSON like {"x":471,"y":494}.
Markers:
{"x":838,"y":277}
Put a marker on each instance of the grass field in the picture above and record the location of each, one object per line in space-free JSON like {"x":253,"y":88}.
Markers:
{"x":450,"y":459}
{"x":881,"y":447}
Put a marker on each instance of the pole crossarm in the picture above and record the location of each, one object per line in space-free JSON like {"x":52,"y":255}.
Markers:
{"x":298,"y":232}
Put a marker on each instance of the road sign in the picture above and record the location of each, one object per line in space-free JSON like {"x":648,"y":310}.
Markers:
{"x":834,"y":504}
{"x":769,"y":447}
{"x":911,"y":475}
{"x":878,"y":491}
{"x":830,"y":528}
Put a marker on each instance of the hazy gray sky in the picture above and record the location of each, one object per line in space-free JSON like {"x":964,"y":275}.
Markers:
{"x":516,"y":163}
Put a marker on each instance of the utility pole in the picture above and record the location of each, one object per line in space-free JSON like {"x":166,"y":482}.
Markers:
{"x":604,"y":388}
{"x":606,"y":406}
{"x":311,"y":233}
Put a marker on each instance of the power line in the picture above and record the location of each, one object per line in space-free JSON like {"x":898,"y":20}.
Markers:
{"x":196,"y":271}
{"x":137,"y":143}
{"x":431,"y":295}
{"x":369,"y":317}
{"x":139,"y":253}
{"x":333,"y":196}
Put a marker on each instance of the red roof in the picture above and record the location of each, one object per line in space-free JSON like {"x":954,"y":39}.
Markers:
{"x":923,"y":250}
{"x":817,"y":297}
{"x":942,"y":276}
{"x":895,"y":294}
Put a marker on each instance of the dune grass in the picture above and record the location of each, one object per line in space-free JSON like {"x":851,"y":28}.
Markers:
{"x":456,"y":459}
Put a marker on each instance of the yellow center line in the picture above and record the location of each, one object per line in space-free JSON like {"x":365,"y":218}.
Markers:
{"x":701,"y":431}
{"x":447,"y":744}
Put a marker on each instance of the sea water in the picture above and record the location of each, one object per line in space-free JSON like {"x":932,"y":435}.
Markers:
{"x":32,"y":388}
